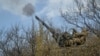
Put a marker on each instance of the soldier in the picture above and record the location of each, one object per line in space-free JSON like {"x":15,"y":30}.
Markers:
{"x":66,"y":35}
{"x":69,"y":43}
{"x":80,"y":38}
{"x":76,"y":34}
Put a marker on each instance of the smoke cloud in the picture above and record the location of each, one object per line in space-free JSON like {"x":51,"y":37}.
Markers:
{"x":15,"y":6}
{"x":28,"y":10}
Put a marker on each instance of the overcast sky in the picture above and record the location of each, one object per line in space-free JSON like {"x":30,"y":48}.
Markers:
{"x":11,"y":11}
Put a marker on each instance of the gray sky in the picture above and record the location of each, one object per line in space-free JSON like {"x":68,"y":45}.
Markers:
{"x":11,"y":11}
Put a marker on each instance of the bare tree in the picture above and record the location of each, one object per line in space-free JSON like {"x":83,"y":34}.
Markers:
{"x":11,"y":42}
{"x":87,"y":15}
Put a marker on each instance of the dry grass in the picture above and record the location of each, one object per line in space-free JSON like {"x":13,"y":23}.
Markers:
{"x":47,"y":47}
{"x":90,"y":48}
